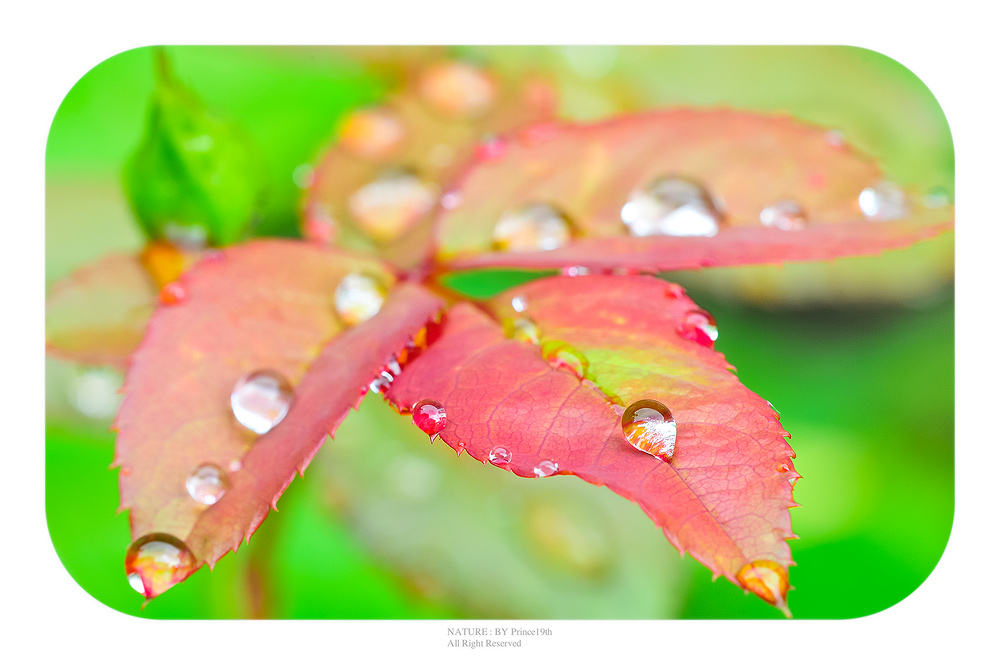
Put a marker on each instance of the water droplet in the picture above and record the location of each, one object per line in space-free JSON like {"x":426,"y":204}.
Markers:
{"x":392,"y":365}
{"x":235,"y":465}
{"x":429,"y":416}
{"x":260,"y":400}
{"x":391,"y":205}
{"x":675,"y":291}
{"x":699,"y":326}
{"x":381,"y":383}
{"x":522,"y":329}
{"x":188,"y":236}
{"x":500,"y":456}
{"x":545,"y":469}
{"x":784,"y":468}
{"x":562,"y":355}
{"x":358,"y":298}
{"x":834,"y":138}
{"x":937,"y":197}
{"x":491,"y":149}
{"x":534,"y":227}
{"x":883,"y":202}
{"x":649,"y":426}
{"x":156,"y":562}
{"x":671,"y":207}
{"x":519,"y":303}
{"x":303,"y":175}
{"x":450,"y":200}
{"x":785,"y":215}
{"x":207,"y":484}
{"x":373,"y":133}
{"x":173,"y":293}
{"x":94,"y":392}
{"x":457,"y":89}
{"x":575,"y":271}
{"x":767,"y":579}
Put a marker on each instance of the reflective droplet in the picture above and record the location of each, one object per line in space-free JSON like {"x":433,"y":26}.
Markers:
{"x":156,"y":562}
{"x":358,"y":298}
{"x":545,"y":469}
{"x":457,"y":89}
{"x":519,"y":303}
{"x":575,"y":271}
{"x":675,"y":291}
{"x":381,"y":383}
{"x":373,"y":133}
{"x":260,"y":400}
{"x":937,"y":197}
{"x":173,"y":293}
{"x":671,"y":207}
{"x":784,"y":215}
{"x":649,"y":426}
{"x":784,"y":468}
{"x":534,"y":227}
{"x":561,"y":355}
{"x":500,"y":456}
{"x":522,"y":329}
{"x":699,"y":326}
{"x":767,"y":579}
{"x":429,"y":416}
{"x":391,"y":205}
{"x":883,"y":202}
{"x":450,"y":200}
{"x":207,"y":484}
{"x":235,"y":465}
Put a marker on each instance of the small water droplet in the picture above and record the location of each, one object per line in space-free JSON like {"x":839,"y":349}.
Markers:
{"x":785,"y":215}
{"x":937,"y":197}
{"x":561,"y":355}
{"x":392,"y":365}
{"x":156,"y":562}
{"x":883,"y":202}
{"x":207,"y":484}
{"x":260,"y":400}
{"x":457,"y":89}
{"x":373,"y":133}
{"x":450,"y":200}
{"x":188,"y":236}
{"x":545,"y":469}
{"x":534,"y":227}
{"x":672,"y":207}
{"x":575,"y":271}
{"x":303,"y":175}
{"x":767,"y":579}
{"x":519,"y":303}
{"x":380,"y":383}
{"x":173,"y":293}
{"x":699,"y":326}
{"x":429,"y":416}
{"x":235,"y":465}
{"x":675,"y":291}
{"x":358,"y":298}
{"x":522,"y":329}
{"x":391,"y":205}
{"x":491,"y":149}
{"x":784,"y":468}
{"x":834,"y":138}
{"x":500,"y":456}
{"x":649,"y":426}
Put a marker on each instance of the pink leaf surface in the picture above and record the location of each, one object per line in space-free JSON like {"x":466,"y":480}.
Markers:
{"x":746,"y":161}
{"x":725,"y":495}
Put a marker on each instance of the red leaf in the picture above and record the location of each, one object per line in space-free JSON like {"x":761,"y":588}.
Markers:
{"x":747,"y":161}
{"x":263,"y":305}
{"x":725,"y":495}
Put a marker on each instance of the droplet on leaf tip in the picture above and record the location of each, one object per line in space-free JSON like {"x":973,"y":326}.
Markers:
{"x":260,"y":400}
{"x":545,"y":469}
{"x":649,"y":426}
{"x":429,"y":416}
{"x":699,"y":326}
{"x":358,"y":298}
{"x":531,"y":228}
{"x":500,"y":456}
{"x":155,"y":562}
{"x":768,"y":580}
{"x":521,"y":329}
{"x":207,"y":484}
{"x":672,"y":207}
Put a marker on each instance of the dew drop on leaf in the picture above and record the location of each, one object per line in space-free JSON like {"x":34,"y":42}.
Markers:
{"x":531,"y":228}
{"x":207,"y":484}
{"x":768,"y":580}
{"x":173,"y":293}
{"x":156,"y":562}
{"x":649,"y":426}
{"x":699,"y":326}
{"x":519,"y":303}
{"x":260,"y":400}
{"x":381,"y":383}
{"x":391,"y":205}
{"x":545,"y":469}
{"x":883,"y":202}
{"x":358,"y":298}
{"x":521,"y":329}
{"x":785,"y":215}
{"x":784,"y":468}
{"x":671,"y":207}
{"x":450,"y":200}
{"x":575,"y":271}
{"x":500,"y":455}
{"x":457,"y":89}
{"x":373,"y":133}
{"x":561,"y":355}
{"x":429,"y":416}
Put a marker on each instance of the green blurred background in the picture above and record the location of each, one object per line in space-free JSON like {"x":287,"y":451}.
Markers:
{"x":858,"y":357}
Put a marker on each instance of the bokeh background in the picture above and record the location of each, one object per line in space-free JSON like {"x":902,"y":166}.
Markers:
{"x":857,"y":355}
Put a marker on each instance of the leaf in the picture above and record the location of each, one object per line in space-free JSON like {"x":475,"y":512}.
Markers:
{"x":407,"y":135}
{"x":262,"y":305}
{"x":97,"y":314}
{"x":724,"y":497}
{"x":746,"y":161}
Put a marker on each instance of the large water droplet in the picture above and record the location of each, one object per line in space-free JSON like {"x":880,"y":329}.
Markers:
{"x":522,"y":329}
{"x":545,"y":469}
{"x":699,"y":326}
{"x":649,"y":426}
{"x":784,"y":215}
{"x":429,"y":416}
{"x":373,"y":133}
{"x":883,"y":202}
{"x":671,"y":207}
{"x":561,"y":355}
{"x":767,"y":579}
{"x":457,"y":89}
{"x":500,"y":456}
{"x":358,"y":298}
{"x":390,"y":206}
{"x":260,"y":400}
{"x":156,"y":562}
{"x":532,"y":228}
{"x":207,"y":484}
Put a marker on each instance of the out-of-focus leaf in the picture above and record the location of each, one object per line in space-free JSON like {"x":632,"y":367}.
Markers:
{"x":196,"y":178}
{"x":746,"y":162}
{"x":267,"y":305}
{"x":725,"y":495}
